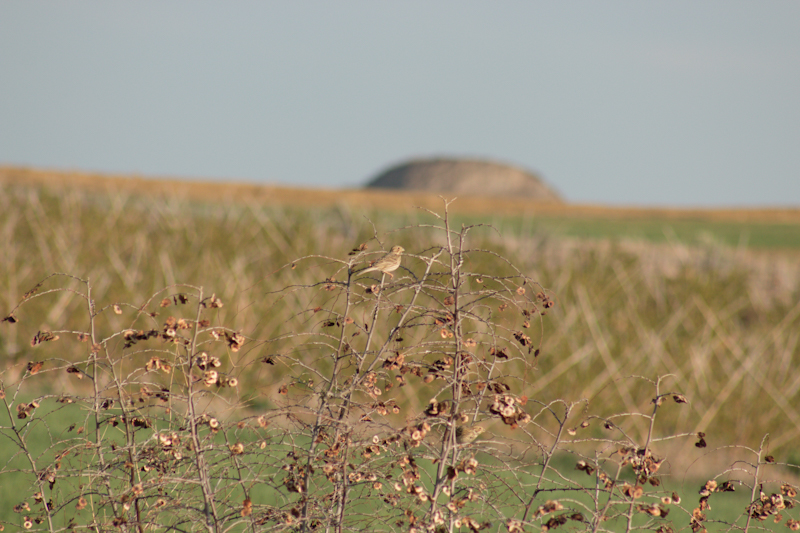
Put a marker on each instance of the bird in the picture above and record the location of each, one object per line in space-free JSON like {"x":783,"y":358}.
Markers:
{"x":466,"y":434}
{"x":388,"y":263}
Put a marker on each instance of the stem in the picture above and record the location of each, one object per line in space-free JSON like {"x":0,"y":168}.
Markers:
{"x":96,"y":407}
{"x":548,"y":458}
{"x":323,"y":405}
{"x":39,"y":481}
{"x":755,"y":484}
{"x":210,"y":510}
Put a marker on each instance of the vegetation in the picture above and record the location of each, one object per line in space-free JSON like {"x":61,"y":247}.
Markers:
{"x":224,"y":367}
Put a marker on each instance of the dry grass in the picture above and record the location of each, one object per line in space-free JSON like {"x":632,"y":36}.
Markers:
{"x":633,"y":322}
{"x":209,"y":191}
{"x":705,"y":314}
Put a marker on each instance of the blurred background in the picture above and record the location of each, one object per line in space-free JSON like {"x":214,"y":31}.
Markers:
{"x":620,"y":102}
{"x":632,"y":106}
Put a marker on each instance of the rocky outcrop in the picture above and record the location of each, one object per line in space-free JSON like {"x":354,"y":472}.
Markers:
{"x":465,"y":177}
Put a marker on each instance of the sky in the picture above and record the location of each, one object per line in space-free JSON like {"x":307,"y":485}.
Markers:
{"x":679,"y":103}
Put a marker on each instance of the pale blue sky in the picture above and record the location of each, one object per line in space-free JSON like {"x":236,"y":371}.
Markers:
{"x":682,"y":103}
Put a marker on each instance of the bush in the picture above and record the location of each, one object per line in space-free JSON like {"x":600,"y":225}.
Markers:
{"x":372,"y":402}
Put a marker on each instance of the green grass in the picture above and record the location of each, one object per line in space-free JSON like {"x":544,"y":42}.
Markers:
{"x":698,"y":232}
{"x":51,"y":424}
{"x":55,"y":424}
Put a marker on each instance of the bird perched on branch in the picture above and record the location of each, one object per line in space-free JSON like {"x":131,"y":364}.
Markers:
{"x":388,"y":263}
{"x":467,"y":433}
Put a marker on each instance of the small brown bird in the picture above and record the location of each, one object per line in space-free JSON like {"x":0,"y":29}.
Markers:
{"x":388,"y":263}
{"x":466,"y":434}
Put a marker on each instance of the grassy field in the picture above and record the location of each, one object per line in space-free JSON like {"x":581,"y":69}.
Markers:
{"x":711,"y":298}
{"x":756,"y":228}
{"x":688,"y":305}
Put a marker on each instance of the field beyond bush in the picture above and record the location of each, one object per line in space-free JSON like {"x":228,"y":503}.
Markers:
{"x":645,"y":310}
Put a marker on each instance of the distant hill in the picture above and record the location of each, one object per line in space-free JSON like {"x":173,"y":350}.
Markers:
{"x":465,"y":177}
{"x":782,"y":220}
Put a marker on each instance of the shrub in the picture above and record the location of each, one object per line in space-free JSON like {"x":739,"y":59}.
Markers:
{"x":401,"y":404}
